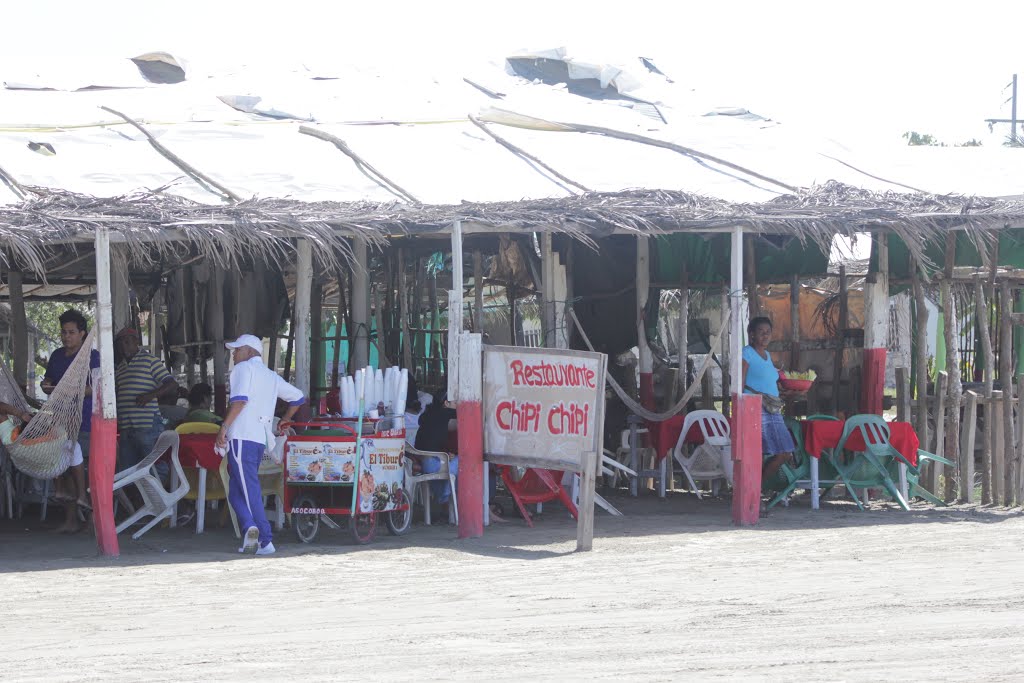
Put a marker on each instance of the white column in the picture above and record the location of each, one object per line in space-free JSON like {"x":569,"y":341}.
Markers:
{"x":359,"y":335}
{"x":455,"y":314}
{"x":303,"y":287}
{"x":643,"y":286}
{"x":105,"y":323}
{"x":736,"y":323}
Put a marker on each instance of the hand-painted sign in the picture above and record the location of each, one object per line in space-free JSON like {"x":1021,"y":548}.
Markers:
{"x":544,"y":407}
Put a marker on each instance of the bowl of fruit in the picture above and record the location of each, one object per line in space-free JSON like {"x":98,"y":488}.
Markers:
{"x":799,"y":382}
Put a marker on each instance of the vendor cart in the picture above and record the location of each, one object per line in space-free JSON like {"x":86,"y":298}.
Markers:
{"x":341,"y":468}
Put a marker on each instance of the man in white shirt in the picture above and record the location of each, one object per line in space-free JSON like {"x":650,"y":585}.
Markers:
{"x":248,"y":432}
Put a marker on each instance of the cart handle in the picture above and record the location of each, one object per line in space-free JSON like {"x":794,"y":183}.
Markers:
{"x":321,"y":425}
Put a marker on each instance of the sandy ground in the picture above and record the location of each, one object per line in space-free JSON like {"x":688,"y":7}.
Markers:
{"x":671,"y":591}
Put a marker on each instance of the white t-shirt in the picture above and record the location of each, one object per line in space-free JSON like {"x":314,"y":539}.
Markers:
{"x":253,"y":382}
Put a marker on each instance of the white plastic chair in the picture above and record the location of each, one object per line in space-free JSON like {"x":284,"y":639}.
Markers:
{"x":711,"y":460}
{"x":158,"y":502}
{"x":624,"y":454}
{"x":413,"y":482}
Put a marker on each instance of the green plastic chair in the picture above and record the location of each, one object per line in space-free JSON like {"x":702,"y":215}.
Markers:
{"x":791,"y":475}
{"x":868,"y":469}
{"x":914,"y":473}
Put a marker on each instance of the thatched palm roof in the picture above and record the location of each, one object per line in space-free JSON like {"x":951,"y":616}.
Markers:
{"x":156,"y":226}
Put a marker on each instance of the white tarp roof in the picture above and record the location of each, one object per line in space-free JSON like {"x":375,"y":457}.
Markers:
{"x":410,"y":121}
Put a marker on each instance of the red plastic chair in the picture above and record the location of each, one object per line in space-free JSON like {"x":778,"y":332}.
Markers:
{"x":536,"y":486}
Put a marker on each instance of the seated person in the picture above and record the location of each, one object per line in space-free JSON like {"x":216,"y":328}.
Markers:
{"x":434,"y":425}
{"x":200,"y":398}
{"x":172,"y":412}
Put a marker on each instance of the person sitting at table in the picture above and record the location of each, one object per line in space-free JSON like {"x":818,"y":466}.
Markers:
{"x":434,"y":425}
{"x":761,"y":377}
{"x":200,"y":398}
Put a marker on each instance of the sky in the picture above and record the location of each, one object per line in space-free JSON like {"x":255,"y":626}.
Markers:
{"x":865,"y":71}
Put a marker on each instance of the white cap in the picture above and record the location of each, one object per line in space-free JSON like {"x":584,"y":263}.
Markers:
{"x":253,"y":342}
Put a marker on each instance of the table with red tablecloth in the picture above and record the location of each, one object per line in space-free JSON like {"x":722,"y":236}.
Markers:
{"x":662,"y":436}
{"x":196,"y":450}
{"x":821,"y":434}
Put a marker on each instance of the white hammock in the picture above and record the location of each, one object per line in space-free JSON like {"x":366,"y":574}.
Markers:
{"x":41,"y":450}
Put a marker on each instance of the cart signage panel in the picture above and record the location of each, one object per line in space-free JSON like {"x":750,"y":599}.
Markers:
{"x":542,"y":407}
{"x":321,"y":462}
{"x":382,"y":473}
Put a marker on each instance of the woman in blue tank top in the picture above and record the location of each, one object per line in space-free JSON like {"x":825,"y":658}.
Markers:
{"x":761,"y":377}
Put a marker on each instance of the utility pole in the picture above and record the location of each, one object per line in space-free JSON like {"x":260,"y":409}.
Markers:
{"x":1013,"y":112}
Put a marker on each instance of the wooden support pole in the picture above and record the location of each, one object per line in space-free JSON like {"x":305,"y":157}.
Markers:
{"x":933,"y":482}
{"x":19,"y":329}
{"x":302,"y":333}
{"x":750,"y":277}
{"x":988,"y":360}
{"x":955,"y":388}
{"x":794,"y":322}
{"x":745,"y":426}
{"x":729,"y":336}
{"x":1006,"y":381}
{"x":967,"y":451}
{"x":478,"y":292}
{"x":339,"y":333}
{"x":902,"y":395}
{"x":316,"y":344}
{"x":643,"y":286}
{"x":220,"y":364}
{"x":455,"y":308}
{"x":682,"y":336}
{"x":843,"y":324}
{"x":103,"y":437}
{"x":403,"y":311}
{"x":155,"y":336}
{"x":921,"y":369}
{"x":998,"y":448}
{"x":1019,"y":454}
{"x":359,"y":335}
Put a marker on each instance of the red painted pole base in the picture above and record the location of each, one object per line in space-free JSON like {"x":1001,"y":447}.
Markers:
{"x":471,"y":469}
{"x":102,"y":462}
{"x":745,"y":433}
{"x":873,"y":386}
{"x":647,"y":390}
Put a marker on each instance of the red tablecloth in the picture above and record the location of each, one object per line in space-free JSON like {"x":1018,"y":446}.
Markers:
{"x":196,"y":450}
{"x":821,"y":434}
{"x":663,"y":435}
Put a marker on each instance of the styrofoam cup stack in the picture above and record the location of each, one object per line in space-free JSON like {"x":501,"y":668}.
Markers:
{"x":391,"y":389}
{"x":369,"y":399}
{"x":360,"y":389}
{"x":378,"y":388}
{"x":348,"y":397}
{"x":403,"y":390}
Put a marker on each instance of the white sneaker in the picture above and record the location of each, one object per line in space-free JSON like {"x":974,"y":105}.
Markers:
{"x":268,"y":549}
{"x":252,"y":540}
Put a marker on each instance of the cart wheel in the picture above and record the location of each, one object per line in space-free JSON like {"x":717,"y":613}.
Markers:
{"x":363,"y":527}
{"x":306,"y":525}
{"x":399,"y":521}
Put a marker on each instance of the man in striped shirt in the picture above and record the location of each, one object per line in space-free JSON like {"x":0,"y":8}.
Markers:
{"x":141,"y":380}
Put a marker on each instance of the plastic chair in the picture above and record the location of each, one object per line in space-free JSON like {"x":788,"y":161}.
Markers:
{"x":797,"y":473}
{"x":202,"y":488}
{"x":623,"y":454}
{"x":867,"y":469}
{"x":158,"y":502}
{"x":413,"y":481}
{"x":914,"y":473}
{"x":711,"y":460}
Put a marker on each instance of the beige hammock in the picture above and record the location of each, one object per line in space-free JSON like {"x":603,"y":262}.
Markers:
{"x":45,"y":446}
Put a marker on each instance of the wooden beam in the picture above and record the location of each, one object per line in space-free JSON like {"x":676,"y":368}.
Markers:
{"x":967,"y":452}
{"x":902,"y":395}
{"x":403,"y":311}
{"x":455,"y":315}
{"x":843,"y":324}
{"x":955,"y":388}
{"x":998,"y":449}
{"x":19,"y":329}
{"x":921,"y":381}
{"x":478,"y":292}
{"x":1006,"y":381}
{"x":303,"y":293}
{"x":933,"y":481}
{"x":988,"y":360}
{"x":360,"y":306}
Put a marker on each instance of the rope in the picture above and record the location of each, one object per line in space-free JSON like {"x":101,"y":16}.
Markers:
{"x":681,"y":403}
